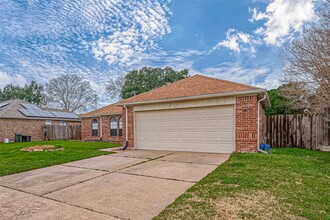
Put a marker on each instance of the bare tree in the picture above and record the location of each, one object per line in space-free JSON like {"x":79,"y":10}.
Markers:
{"x":307,"y":65}
{"x":70,"y":92}
{"x":115,"y":86}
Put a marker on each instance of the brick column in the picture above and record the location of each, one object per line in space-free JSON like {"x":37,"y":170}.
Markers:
{"x":246,"y":123}
{"x":130,"y":126}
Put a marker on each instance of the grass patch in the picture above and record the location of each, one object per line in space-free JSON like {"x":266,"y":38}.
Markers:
{"x":13,"y":160}
{"x":288,"y":184}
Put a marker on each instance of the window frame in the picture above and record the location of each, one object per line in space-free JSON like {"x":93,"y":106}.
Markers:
{"x":95,"y":132}
{"x":120,"y":126}
{"x":113,"y":131}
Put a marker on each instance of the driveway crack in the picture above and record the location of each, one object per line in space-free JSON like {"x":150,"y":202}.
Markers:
{"x":59,"y":201}
{"x":155,"y":177}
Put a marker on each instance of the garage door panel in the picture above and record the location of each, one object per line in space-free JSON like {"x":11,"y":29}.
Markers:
{"x":207,"y":129}
{"x":226,"y":135}
{"x":210,"y":136}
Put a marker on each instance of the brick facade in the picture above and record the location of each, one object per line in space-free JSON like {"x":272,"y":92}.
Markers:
{"x":29,"y":127}
{"x":246,"y":124}
{"x":86,"y":126}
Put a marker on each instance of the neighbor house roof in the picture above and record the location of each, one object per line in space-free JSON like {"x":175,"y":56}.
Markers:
{"x":112,"y":109}
{"x":19,"y":109}
{"x":194,"y":86}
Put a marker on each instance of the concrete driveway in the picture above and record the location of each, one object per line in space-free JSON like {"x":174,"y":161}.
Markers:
{"x":136,"y":184}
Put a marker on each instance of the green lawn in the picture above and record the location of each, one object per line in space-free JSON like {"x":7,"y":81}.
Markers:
{"x":288,"y":184}
{"x":12,"y":160}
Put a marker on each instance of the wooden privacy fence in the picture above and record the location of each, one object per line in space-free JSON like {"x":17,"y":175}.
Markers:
{"x":59,"y":132}
{"x":301,"y":131}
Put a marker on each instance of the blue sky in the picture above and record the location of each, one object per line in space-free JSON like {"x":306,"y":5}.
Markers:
{"x":101,"y":39}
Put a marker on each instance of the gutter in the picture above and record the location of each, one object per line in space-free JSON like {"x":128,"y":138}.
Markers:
{"x":105,"y":115}
{"x":126,"y":128}
{"x":258,"y":124}
{"x":36,"y":118}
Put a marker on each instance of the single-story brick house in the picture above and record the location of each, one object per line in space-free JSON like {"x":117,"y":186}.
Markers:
{"x":21,"y":117}
{"x":198,"y":114}
{"x":104,"y":124}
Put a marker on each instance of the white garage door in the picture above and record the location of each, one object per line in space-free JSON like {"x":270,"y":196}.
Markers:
{"x":206,"y":129}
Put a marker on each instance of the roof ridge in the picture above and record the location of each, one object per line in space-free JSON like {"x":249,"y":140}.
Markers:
{"x":14,"y":100}
{"x":110,"y":105}
{"x":152,"y":90}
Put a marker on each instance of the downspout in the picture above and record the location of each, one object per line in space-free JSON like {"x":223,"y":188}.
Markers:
{"x":101,"y":132}
{"x":126,"y":128}
{"x":258,"y":125}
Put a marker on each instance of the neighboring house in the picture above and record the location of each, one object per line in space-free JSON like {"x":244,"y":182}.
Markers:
{"x":21,"y":117}
{"x":200,"y":114}
{"x":104,"y":124}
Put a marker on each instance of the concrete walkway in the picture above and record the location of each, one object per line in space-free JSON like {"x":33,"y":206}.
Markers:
{"x":136,"y":184}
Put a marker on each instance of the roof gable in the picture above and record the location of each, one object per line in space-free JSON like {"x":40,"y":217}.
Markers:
{"x":192,"y":86}
{"x":112,"y":109}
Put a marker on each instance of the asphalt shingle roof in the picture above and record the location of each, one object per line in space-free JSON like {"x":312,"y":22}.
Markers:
{"x":107,"y":110}
{"x":10,"y":109}
{"x":192,"y":86}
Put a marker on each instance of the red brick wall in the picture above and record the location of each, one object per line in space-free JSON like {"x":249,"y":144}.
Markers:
{"x":33,"y":128}
{"x":246,"y":123}
{"x":86,"y":129}
{"x":130,"y":126}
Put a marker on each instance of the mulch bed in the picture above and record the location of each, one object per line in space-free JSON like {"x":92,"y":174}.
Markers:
{"x":39,"y":148}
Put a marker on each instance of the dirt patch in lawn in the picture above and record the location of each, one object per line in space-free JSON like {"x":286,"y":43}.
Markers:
{"x":254,"y":205}
{"x":39,"y":148}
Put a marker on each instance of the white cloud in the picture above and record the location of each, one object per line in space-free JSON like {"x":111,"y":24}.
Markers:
{"x":237,"y":73}
{"x":37,"y":72}
{"x":116,"y":31}
{"x":176,"y":59}
{"x":282,"y":19}
{"x":11,"y":79}
{"x":237,"y":41}
{"x":256,"y":16}
{"x":145,"y":23}
{"x":270,"y":82}
{"x":45,"y":39}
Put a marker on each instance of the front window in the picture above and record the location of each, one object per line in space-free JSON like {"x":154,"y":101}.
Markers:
{"x":121,"y":126}
{"x":95,"y":127}
{"x":48,"y":122}
{"x":113,"y":126}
